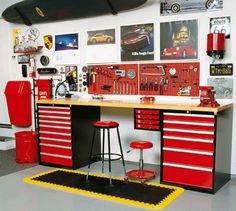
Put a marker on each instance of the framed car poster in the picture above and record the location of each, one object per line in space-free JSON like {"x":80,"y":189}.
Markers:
{"x":67,"y":49}
{"x":103,"y":40}
{"x":222,"y":86}
{"x":220,"y":25}
{"x":179,"y":40}
{"x":170,"y":7}
{"x":137,"y":42}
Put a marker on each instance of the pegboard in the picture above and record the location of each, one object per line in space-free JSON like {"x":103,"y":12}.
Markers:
{"x":120,"y":79}
{"x":172,"y":79}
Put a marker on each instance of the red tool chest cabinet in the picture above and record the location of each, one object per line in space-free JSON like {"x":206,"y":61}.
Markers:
{"x":147,"y":119}
{"x":58,"y":145}
{"x":194,"y":153}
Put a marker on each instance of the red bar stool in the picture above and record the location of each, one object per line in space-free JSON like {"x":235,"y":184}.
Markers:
{"x":140,"y":173}
{"x":106,"y":125}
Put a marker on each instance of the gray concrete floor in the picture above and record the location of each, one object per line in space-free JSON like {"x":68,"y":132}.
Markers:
{"x":20,"y":196}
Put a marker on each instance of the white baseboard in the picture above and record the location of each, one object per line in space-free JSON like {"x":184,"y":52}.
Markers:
{"x":8,"y":144}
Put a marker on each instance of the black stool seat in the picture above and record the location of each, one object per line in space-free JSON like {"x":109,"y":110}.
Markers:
{"x":106,"y":125}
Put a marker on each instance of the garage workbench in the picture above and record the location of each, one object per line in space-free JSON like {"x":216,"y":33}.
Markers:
{"x":195,"y":141}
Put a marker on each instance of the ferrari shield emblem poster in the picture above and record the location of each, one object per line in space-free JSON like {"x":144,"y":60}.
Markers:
{"x":48,"y":41}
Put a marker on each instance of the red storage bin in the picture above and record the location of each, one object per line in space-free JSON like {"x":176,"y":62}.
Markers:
{"x":18,"y":96}
{"x":44,"y":88}
{"x":26,"y":147}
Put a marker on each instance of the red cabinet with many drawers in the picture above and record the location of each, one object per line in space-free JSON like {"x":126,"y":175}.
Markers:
{"x":147,"y":119}
{"x":58,"y":145}
{"x":190,"y":151}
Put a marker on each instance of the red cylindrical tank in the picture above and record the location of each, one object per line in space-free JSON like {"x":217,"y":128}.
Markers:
{"x":216,"y":45}
{"x":26,"y":147}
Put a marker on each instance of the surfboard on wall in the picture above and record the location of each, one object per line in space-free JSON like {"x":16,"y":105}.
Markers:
{"x":36,"y":11}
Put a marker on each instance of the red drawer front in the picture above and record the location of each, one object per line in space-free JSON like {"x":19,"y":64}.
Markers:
{"x":57,"y":151}
{"x":143,"y":116}
{"x":190,"y":177}
{"x":190,"y":119}
{"x":55,"y":130}
{"x":189,"y":135}
{"x":150,"y":127}
{"x":51,"y":136}
{"x":189,"y":127}
{"x":188,"y":158}
{"x":59,"y":143}
{"x":53,"y":114}
{"x":147,"y":111}
{"x":55,"y":124}
{"x":150,"y":122}
{"x":49,"y":119}
{"x":56,"y":160}
{"x":57,"y":109}
{"x":189,"y":145}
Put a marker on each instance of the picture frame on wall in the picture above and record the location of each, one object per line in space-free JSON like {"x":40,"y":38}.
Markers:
{"x":171,"y":7}
{"x":101,"y":40}
{"x":179,"y":40}
{"x":137,"y":42}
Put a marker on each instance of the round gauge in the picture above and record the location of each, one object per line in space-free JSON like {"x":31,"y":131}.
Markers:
{"x":61,"y":90}
{"x":172,"y":71}
{"x":84,"y":69}
{"x":44,"y":60}
{"x":131,"y":74}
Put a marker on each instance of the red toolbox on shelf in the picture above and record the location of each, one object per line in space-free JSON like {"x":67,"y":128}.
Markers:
{"x":147,"y":119}
{"x":18,"y":96}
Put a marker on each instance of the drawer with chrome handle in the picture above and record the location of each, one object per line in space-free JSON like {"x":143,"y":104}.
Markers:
{"x":56,"y":159}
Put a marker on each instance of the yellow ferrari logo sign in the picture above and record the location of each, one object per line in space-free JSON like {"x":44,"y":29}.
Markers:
{"x":48,"y":41}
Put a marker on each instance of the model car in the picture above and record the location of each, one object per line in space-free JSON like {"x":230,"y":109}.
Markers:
{"x":180,"y":51}
{"x":135,"y":40}
{"x":100,"y":38}
{"x":177,"y":5}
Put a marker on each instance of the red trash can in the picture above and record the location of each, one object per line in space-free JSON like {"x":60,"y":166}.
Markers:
{"x":26,"y":147}
{"x":18,"y":96}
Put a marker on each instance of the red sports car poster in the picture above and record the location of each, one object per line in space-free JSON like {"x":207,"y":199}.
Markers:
{"x":137,"y":42}
{"x":179,"y":40}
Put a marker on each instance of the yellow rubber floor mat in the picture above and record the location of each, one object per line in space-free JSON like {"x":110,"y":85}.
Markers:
{"x":147,"y":195}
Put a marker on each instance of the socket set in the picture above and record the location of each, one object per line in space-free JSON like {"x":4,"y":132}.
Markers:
{"x":172,"y":79}
{"x":120,"y":79}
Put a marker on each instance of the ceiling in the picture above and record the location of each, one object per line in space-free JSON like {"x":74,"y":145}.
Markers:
{"x":6,"y":3}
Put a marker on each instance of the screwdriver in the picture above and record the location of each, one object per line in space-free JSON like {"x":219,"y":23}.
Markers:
{"x":156,"y":85}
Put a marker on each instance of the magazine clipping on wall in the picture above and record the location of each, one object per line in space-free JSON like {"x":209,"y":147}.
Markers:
{"x":137,"y":42}
{"x":101,"y":41}
{"x":67,"y":49}
{"x":171,"y":7}
{"x":222,"y":86}
{"x":179,"y":40}
{"x":220,"y":25}
{"x":73,"y":71}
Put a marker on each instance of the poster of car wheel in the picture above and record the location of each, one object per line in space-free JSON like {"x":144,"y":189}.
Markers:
{"x":170,"y":7}
{"x":137,"y":42}
{"x":220,"y":25}
{"x":179,"y":40}
{"x":102,"y":40}
{"x":222,"y":86}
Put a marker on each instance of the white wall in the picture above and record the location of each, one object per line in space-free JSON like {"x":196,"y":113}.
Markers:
{"x":149,"y":13}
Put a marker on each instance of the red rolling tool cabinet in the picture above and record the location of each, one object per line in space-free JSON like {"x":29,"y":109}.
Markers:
{"x":61,"y":134}
{"x":195,"y":151}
